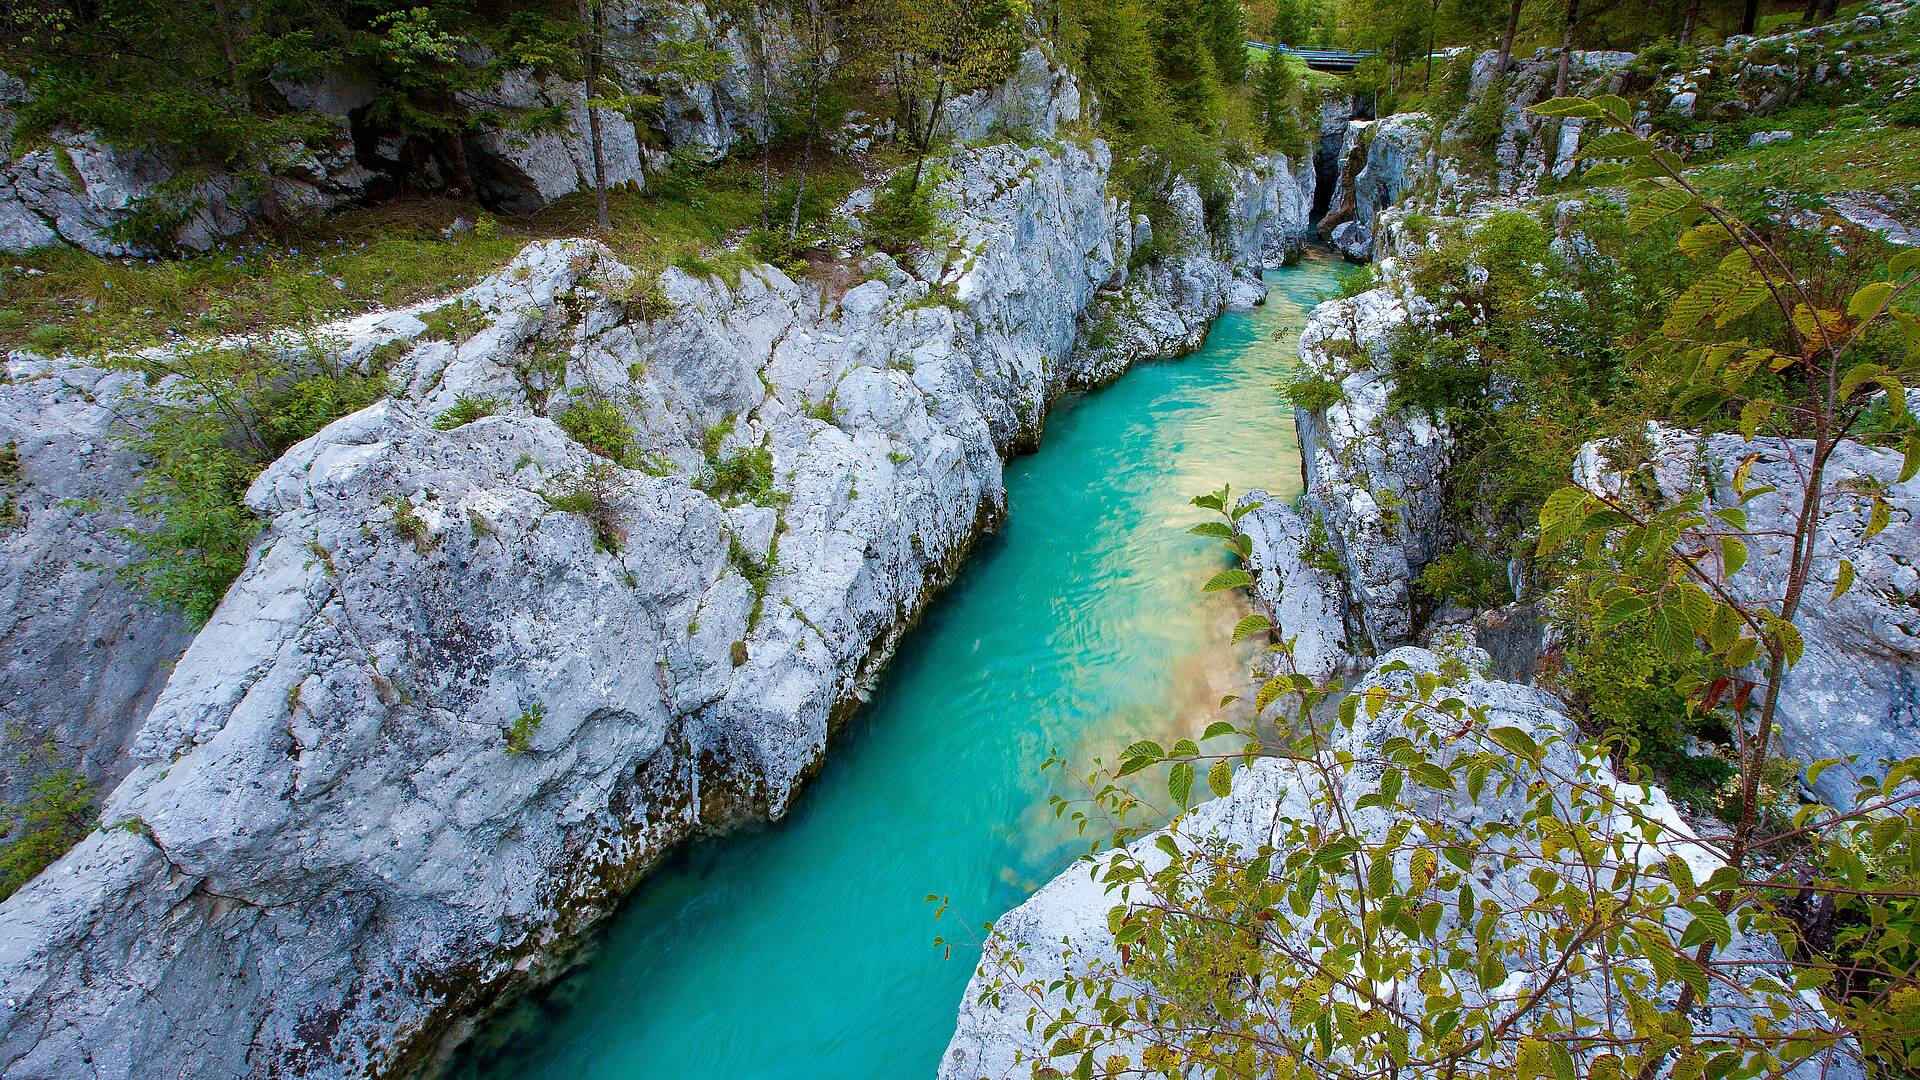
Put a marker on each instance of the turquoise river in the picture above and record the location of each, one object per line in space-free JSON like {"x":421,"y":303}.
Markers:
{"x":804,"y":949}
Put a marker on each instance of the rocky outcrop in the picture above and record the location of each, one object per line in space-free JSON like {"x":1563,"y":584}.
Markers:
{"x":72,"y":187}
{"x":1297,"y":587}
{"x":1064,"y":929}
{"x":528,"y":144}
{"x":474,"y":681}
{"x":1381,"y":164}
{"x":1374,"y":472}
{"x":1149,"y":309}
{"x":81,"y":658}
{"x":1853,"y":694}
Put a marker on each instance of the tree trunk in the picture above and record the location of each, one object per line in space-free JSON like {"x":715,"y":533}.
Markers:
{"x":1566,"y":48}
{"x":1828,"y":8}
{"x":1433,"y":24}
{"x":269,"y":199}
{"x":1692,"y":21}
{"x":590,"y":13}
{"x":806,"y":158}
{"x":933,"y":123}
{"x":1506,"y":40}
{"x":1749,"y":16}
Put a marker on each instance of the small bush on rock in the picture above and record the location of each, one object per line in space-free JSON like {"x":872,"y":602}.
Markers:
{"x":591,"y":495}
{"x":221,"y":417}
{"x":58,"y":813}
{"x":904,"y":216}
{"x":466,"y":409}
{"x":599,"y":425}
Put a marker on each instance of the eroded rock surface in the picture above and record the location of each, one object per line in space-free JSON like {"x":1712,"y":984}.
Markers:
{"x":1064,"y":929}
{"x":1854,"y":692}
{"x":81,"y":657}
{"x":474,"y":681}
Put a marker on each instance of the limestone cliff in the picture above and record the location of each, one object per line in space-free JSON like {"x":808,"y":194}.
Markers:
{"x":474,"y":681}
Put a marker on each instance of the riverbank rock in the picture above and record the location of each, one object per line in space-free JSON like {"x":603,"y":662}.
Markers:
{"x":81,"y":656}
{"x":1373,"y":472}
{"x":474,"y":682}
{"x":1064,"y":929}
{"x":1171,"y":270}
{"x":1381,"y":162}
{"x":1298,"y":587}
{"x":1853,"y":694}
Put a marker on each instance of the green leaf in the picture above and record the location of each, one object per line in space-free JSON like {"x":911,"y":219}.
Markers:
{"x":1662,"y":204}
{"x":1271,"y":690}
{"x":1617,"y":107}
{"x":1576,"y":107}
{"x":1220,"y":779}
{"x":1249,"y":626}
{"x":1733,"y":555}
{"x":1516,"y":742}
{"x":1841,"y":586}
{"x":1867,"y":301}
{"x":1878,"y":519}
{"x":1615,"y":144}
{"x":1213,"y":528}
{"x":1140,"y":755}
{"x":1180,"y":782}
{"x":1228,"y":579}
{"x":1904,"y":261}
{"x":1217,"y":729}
{"x":1619,"y":611}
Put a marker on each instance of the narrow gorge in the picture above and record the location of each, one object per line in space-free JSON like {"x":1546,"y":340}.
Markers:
{"x":574,"y":543}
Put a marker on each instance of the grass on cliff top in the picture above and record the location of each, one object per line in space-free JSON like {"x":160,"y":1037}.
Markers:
{"x":360,"y":260}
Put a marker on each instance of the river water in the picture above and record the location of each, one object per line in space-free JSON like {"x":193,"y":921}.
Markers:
{"x":804,"y":949}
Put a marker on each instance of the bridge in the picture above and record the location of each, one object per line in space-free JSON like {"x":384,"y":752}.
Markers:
{"x":1319,"y":59}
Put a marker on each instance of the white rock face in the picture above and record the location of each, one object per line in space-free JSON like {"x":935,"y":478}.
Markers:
{"x":1853,"y":693}
{"x":1063,"y":929}
{"x":1148,"y":310}
{"x":1381,"y":160}
{"x":1308,"y":603}
{"x":1373,"y":473}
{"x":81,"y":659}
{"x":76,"y":188}
{"x":473,"y":682}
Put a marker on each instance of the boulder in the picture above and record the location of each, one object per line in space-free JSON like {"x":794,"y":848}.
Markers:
{"x":1064,"y":929}
{"x":1853,"y":694}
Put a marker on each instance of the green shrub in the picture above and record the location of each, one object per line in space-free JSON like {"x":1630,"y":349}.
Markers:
{"x":591,"y":495}
{"x":1906,"y":112}
{"x":904,"y":217}
{"x":466,"y":409}
{"x":1318,"y":552}
{"x":1636,"y":696}
{"x":520,"y":735}
{"x":1311,"y":392}
{"x":58,"y":813}
{"x":1467,"y":578}
{"x":226,"y":415}
{"x":599,"y":425}
{"x":744,"y":476}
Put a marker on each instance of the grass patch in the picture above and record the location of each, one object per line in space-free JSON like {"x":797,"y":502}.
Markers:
{"x":466,"y":409}
{"x":392,"y":255}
